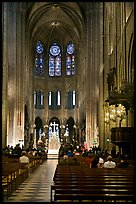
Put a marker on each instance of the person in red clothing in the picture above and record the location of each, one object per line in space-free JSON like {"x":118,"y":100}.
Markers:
{"x":88,"y":160}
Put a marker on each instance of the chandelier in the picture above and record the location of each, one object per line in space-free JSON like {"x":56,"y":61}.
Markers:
{"x":113,"y":112}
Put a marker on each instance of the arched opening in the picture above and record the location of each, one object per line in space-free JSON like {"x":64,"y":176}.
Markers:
{"x":71,"y":129}
{"x":38,"y":128}
{"x":54,"y":135}
{"x":26,"y":126}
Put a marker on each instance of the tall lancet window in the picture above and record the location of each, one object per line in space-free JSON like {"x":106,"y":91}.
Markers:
{"x":41,"y":98}
{"x":54,"y":100}
{"x":50,"y":98}
{"x":55,"y":60}
{"x":35,"y":98}
{"x":71,"y":99}
{"x":38,"y":99}
{"x":58,"y":98}
{"x":74,"y":98}
{"x":39,"y":59}
{"x":70,"y":60}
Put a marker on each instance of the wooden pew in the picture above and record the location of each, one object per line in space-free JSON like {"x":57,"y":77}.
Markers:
{"x":77,"y":189}
{"x":14,"y":173}
{"x":91,"y":196}
{"x":74,"y":183}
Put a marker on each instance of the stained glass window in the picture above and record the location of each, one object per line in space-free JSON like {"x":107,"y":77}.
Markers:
{"x":39,"y":59}
{"x":70,"y":60}
{"x":53,"y":130}
{"x":55,"y":60}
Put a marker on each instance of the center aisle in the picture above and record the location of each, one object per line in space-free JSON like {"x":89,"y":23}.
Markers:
{"x":37,"y":187}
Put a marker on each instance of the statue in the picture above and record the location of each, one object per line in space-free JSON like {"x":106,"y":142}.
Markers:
{"x":110,"y":79}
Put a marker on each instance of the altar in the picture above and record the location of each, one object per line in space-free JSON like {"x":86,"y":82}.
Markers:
{"x":54,"y":142}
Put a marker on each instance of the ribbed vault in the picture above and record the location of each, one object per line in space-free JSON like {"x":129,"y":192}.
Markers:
{"x":61,"y":21}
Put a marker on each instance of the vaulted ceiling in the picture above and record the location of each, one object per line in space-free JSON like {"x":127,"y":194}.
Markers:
{"x":62,"y":21}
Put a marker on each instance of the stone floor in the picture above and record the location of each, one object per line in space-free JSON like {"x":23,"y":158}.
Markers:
{"x":37,"y":187}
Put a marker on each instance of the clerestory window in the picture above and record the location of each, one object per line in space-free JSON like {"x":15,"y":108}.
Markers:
{"x":71,"y":99}
{"x":38,"y":99}
{"x":39,"y":59}
{"x":54,"y":100}
{"x":54,"y":60}
{"x":70,"y":60}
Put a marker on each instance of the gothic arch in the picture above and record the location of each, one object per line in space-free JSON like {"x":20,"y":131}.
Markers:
{"x":71,"y":123}
{"x":131,"y":61}
{"x":39,"y":126}
{"x":54,"y":119}
{"x":54,"y":122}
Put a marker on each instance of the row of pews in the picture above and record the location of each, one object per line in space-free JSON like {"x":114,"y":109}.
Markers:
{"x":15,"y":173}
{"x":84,"y":184}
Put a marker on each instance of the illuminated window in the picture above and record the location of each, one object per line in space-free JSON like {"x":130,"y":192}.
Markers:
{"x":54,"y":100}
{"x":50,"y":98}
{"x":35,"y":98}
{"x":58,"y":98}
{"x":38,"y":99}
{"x":39,"y":59}
{"x":71,"y":99}
{"x":55,"y":60}
{"x":70,"y":60}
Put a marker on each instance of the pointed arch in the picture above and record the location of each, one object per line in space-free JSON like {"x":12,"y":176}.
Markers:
{"x":39,"y":127}
{"x":131,"y":61}
{"x":54,"y":127}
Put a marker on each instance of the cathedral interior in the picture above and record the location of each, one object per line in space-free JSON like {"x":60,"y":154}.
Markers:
{"x":68,"y":73}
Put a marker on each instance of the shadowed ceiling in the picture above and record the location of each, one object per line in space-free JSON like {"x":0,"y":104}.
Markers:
{"x":61,"y":21}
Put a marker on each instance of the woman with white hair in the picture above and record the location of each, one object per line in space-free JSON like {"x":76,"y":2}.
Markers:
{"x":109,"y":163}
{"x":24,"y":158}
{"x":100,"y":163}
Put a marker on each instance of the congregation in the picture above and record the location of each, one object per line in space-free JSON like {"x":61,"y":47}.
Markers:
{"x":94,"y":157}
{"x":17,"y":151}
{"x":68,"y":157}
{"x":86,"y":174}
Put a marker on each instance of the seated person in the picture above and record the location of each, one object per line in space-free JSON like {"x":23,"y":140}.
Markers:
{"x":69,"y":153}
{"x":109,"y":163}
{"x":100,"y":163}
{"x":24,"y":159}
{"x":94,"y":162}
{"x":123,"y":163}
{"x":88,"y":160}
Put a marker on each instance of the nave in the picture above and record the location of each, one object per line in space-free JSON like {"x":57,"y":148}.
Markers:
{"x":37,"y":187}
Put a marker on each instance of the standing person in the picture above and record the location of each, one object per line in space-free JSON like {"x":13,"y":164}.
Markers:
{"x":113,"y":152}
{"x":109,"y":163}
{"x":17,"y":151}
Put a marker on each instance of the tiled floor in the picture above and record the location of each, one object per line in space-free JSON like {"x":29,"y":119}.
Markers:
{"x":37,"y":187}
